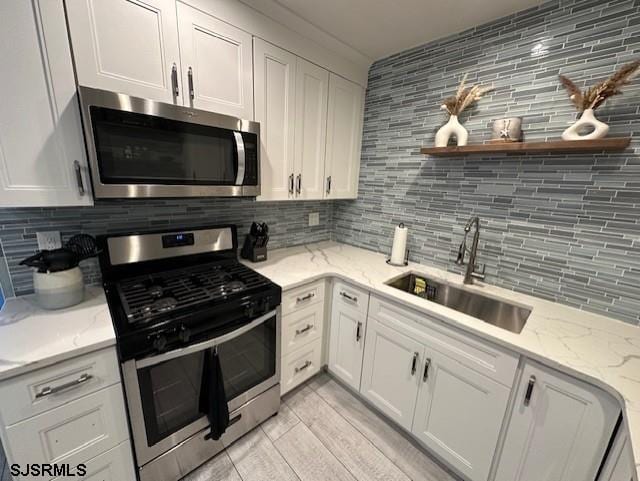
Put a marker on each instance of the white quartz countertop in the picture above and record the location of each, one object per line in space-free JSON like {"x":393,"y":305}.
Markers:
{"x":31,"y":337}
{"x":602,"y":351}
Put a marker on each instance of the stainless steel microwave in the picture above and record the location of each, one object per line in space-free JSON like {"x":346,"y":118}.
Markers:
{"x":140,"y":148}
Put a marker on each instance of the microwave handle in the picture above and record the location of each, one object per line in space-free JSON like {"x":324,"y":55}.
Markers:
{"x":241,"y":157}
{"x":167,"y":356}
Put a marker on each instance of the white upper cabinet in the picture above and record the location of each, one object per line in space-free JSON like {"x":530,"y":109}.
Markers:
{"x":344,"y":138}
{"x":312,"y":88}
{"x":42,"y":152}
{"x":216,"y":58}
{"x":275,"y":92}
{"x":128,"y":46}
{"x":559,"y":430}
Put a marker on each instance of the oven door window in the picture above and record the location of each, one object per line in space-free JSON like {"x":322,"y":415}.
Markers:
{"x":170,"y":391}
{"x":135,"y":148}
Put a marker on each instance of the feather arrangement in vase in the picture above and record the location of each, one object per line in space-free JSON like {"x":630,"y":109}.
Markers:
{"x":594,"y":96}
{"x":455,"y":105}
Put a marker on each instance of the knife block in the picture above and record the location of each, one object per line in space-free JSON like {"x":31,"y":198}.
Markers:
{"x":251,"y":252}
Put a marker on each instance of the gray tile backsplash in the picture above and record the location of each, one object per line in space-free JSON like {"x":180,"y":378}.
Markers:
{"x":288,"y":225}
{"x":562,"y":227}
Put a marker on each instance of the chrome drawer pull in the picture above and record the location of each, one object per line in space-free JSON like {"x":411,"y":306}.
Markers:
{"x":303,"y":367}
{"x":347,"y":296}
{"x":48,"y":391}
{"x":78,"y":171}
{"x":311,"y":295}
{"x":304,"y":329}
{"x":174,"y":81}
{"x":530,"y":386}
{"x":291,"y":184}
{"x":359,"y":331}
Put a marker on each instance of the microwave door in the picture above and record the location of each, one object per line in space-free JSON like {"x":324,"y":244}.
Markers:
{"x":241,"y":158}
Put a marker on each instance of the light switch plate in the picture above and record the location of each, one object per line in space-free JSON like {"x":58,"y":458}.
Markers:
{"x":314,"y":219}
{"x":49,"y":240}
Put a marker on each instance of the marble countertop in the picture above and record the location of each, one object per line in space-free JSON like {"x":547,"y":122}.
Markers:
{"x":31,"y":337}
{"x":602,"y":351}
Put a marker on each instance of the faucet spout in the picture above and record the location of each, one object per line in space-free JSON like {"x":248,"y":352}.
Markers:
{"x":471,"y":272}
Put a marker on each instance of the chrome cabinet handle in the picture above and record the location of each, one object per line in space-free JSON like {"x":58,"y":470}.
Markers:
{"x":425,"y":374}
{"x":347,"y":296}
{"x":530,"y":386}
{"x":414,"y":363}
{"x":174,"y":81}
{"x":303,"y":367}
{"x":192,"y":94}
{"x":359,"y":331}
{"x":78,"y":170}
{"x":48,"y":391}
{"x":328,"y":185}
{"x":291,"y":184}
{"x":299,"y":184}
{"x":311,"y":295}
{"x":304,"y":329}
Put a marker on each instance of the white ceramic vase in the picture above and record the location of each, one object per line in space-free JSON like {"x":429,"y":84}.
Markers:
{"x":452,"y":128}
{"x":600,"y":129}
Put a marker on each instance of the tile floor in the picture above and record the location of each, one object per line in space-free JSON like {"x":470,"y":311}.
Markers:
{"x":323,"y":433}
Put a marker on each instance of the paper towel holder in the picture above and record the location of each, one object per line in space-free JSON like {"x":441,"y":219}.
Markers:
{"x":404,"y":264}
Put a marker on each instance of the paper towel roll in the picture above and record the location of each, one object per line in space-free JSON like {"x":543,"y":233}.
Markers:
{"x":399,"y":248}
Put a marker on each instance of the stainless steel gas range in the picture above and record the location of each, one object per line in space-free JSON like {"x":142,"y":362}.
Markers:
{"x":198,"y":337}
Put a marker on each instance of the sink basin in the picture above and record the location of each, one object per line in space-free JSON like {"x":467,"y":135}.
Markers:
{"x":498,"y":313}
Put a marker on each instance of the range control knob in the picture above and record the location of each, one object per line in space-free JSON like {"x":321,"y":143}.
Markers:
{"x":159,"y":342}
{"x":250,"y":308}
{"x":266,"y":304}
{"x":184,"y":334}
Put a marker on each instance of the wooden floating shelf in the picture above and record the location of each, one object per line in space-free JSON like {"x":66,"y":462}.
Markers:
{"x":553,"y":146}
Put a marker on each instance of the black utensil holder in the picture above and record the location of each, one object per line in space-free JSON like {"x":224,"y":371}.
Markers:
{"x":251,"y":252}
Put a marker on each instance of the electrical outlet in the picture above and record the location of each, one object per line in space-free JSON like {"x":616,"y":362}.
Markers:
{"x":314,"y":219}
{"x":49,"y":240}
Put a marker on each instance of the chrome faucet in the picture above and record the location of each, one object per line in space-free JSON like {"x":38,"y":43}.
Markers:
{"x":471,"y":271}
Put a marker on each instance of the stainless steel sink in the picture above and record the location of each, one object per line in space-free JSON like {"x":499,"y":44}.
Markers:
{"x":499,"y":313}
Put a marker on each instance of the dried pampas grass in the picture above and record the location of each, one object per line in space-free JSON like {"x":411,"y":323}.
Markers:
{"x":595,"y":96}
{"x":464,"y":97}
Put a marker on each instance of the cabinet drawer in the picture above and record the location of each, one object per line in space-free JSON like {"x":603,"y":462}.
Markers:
{"x":73,"y":433}
{"x":346,"y":295}
{"x":486,"y":358}
{"x":302,"y":327}
{"x":300,"y":365}
{"x":301,"y":297}
{"x":114,"y":465}
{"x":25,"y":396}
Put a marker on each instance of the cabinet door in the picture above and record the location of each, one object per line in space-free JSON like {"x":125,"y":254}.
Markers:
{"x":275,"y":91}
{"x":559,"y":428}
{"x":459,"y":414}
{"x":312,"y":88}
{"x":128,"y":46}
{"x":344,"y":138}
{"x":346,"y":342}
{"x":217,"y":70}
{"x":42,"y":153}
{"x":391,"y":372}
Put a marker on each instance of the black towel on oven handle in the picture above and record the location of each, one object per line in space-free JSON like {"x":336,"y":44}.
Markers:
{"x":213,"y":399}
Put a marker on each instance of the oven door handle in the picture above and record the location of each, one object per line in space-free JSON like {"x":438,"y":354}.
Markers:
{"x":151,"y":361}
{"x":241,"y":157}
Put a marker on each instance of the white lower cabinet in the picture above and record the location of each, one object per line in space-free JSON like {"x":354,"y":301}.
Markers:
{"x":391,"y":372}
{"x":559,"y":429}
{"x":619,"y":465}
{"x":348,"y":325}
{"x":114,"y":465}
{"x":459,"y":414}
{"x":300,"y":365}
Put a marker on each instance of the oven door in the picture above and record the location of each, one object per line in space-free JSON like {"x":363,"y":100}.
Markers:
{"x":142,"y":148}
{"x":163,"y":391}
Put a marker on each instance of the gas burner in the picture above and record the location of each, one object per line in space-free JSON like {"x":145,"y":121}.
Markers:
{"x":164,"y":304}
{"x":234,"y":286}
{"x":155,"y":290}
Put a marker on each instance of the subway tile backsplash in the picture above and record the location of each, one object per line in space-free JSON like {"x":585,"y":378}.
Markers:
{"x":288,"y":225}
{"x":562,"y":227}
